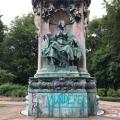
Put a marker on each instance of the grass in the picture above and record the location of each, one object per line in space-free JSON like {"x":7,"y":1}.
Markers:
{"x":6,"y":105}
{"x":3,"y":98}
{"x":110,"y":99}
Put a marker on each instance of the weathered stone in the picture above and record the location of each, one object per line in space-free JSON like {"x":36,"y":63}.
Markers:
{"x":60,"y":104}
{"x":62,"y":87}
{"x":62,"y":97}
{"x":75,"y":13}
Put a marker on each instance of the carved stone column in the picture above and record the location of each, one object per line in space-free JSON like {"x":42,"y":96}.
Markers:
{"x":48,"y":13}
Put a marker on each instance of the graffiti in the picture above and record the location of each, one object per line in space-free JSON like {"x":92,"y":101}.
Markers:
{"x":34,"y":103}
{"x":34,"y":107}
{"x":62,"y":100}
{"x":78,"y":32}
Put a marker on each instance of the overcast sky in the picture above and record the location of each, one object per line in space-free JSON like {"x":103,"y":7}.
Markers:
{"x":13,"y":8}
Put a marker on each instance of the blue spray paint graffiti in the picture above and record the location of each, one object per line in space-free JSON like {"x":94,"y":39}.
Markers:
{"x":63,"y":100}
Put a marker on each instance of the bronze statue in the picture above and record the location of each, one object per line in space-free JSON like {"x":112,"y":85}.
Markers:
{"x":62,"y":48}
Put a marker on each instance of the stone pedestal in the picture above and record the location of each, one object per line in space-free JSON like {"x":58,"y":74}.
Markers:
{"x":62,"y":97}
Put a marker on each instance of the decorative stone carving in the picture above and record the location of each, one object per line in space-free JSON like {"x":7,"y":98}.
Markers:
{"x":51,"y":6}
{"x":62,"y":83}
{"x":86,"y":19}
{"x":48,"y":12}
{"x":36,"y":6}
{"x":75,"y":14}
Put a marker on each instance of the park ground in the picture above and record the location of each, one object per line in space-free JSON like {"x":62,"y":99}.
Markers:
{"x":13,"y":112}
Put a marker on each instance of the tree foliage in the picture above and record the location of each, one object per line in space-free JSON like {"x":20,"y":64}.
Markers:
{"x":104,"y":40}
{"x":1,"y":31}
{"x":1,"y":41}
{"x":19,"y":48}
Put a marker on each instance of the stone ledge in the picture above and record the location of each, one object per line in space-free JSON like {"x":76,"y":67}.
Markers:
{"x":62,"y":83}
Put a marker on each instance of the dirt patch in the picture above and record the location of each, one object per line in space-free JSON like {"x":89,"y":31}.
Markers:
{"x":2,"y":98}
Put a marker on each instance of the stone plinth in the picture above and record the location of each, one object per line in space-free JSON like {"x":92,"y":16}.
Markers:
{"x":62,"y":97}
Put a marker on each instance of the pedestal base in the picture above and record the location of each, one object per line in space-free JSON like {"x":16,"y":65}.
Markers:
{"x":62,"y":97}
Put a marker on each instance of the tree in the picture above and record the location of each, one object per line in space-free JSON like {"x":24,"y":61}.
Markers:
{"x":1,"y":40}
{"x":115,"y":43}
{"x":1,"y":30}
{"x":104,"y":40}
{"x":20,"y":46}
{"x":94,"y":34}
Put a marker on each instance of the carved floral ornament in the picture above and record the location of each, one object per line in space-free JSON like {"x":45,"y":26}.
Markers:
{"x":47,"y":8}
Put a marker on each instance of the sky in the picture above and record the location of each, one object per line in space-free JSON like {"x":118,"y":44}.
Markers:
{"x":12,"y":8}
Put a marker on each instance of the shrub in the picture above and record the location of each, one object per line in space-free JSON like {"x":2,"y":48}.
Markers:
{"x":111,"y":99}
{"x":118,"y":92}
{"x":13,"y":90}
{"x":19,"y":93}
{"x":102,"y":92}
{"x":6,"y":77}
{"x":112,"y":93}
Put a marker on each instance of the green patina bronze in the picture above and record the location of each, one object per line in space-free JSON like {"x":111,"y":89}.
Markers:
{"x":62,"y":49}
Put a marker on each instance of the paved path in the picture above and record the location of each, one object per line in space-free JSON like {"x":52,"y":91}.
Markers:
{"x":112,"y":112}
{"x":112,"y":109}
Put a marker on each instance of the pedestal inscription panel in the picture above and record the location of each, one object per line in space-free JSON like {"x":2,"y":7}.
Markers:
{"x":59,"y":104}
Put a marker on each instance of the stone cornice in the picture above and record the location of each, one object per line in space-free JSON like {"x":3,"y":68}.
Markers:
{"x":47,"y":8}
{"x":35,"y":2}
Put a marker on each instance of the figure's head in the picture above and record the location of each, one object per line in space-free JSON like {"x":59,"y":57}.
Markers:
{"x":61,"y":24}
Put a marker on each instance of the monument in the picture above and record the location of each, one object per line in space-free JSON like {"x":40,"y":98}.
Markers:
{"x":62,"y":86}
